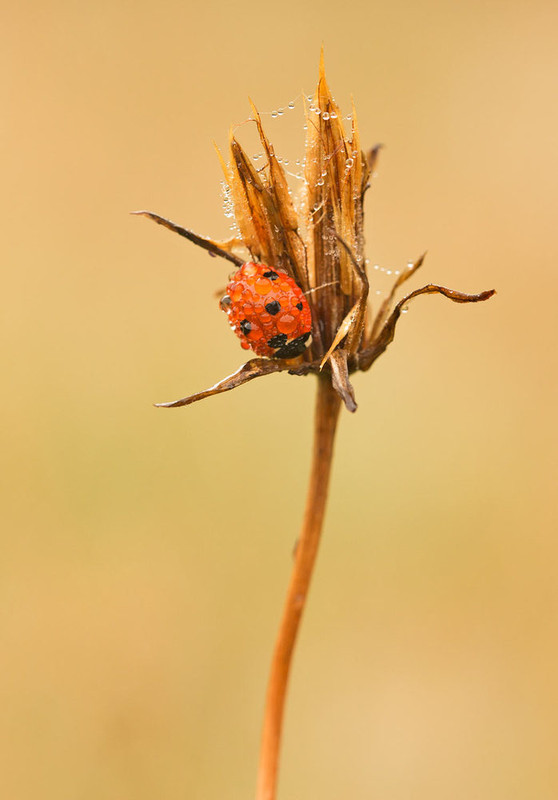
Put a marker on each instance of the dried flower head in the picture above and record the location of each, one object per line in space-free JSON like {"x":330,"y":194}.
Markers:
{"x":304,"y":269}
{"x":321,"y":248}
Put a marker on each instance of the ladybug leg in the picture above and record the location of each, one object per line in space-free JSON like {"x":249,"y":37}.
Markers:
{"x":212,"y":248}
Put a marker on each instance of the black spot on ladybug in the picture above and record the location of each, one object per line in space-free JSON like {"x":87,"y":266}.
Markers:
{"x":245,"y":327}
{"x":280,"y":340}
{"x":273,"y":307}
{"x":271,"y":274}
{"x":298,"y":305}
{"x":294,"y":348}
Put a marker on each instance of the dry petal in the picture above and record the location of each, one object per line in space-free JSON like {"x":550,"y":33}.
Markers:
{"x":214,"y":248}
{"x":336,"y":175}
{"x":252,"y":369}
{"x":344,"y":329}
{"x":368,"y":355}
{"x":340,"y":378}
{"x":384,"y":308}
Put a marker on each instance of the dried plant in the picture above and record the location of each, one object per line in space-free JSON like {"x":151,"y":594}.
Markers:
{"x":322,"y":249}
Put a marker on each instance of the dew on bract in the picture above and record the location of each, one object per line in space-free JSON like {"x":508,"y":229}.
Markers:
{"x":228,"y":207}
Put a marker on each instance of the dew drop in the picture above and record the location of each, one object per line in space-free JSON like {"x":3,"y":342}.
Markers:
{"x":333,"y":115}
{"x":280,"y":112}
{"x":320,"y":182}
{"x":376,"y":266}
{"x":291,"y":104}
{"x":325,"y":115}
{"x":404,"y":310}
{"x":317,"y":111}
{"x":388,"y":272}
{"x":274,"y":114}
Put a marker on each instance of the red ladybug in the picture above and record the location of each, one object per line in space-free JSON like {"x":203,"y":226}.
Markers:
{"x":268,"y":311}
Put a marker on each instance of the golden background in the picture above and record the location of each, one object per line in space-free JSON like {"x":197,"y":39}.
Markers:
{"x":145,"y":552}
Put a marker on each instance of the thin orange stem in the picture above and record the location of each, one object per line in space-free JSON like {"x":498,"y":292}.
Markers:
{"x":326,"y":416}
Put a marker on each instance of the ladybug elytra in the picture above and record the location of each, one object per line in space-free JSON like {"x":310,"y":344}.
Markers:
{"x":268,"y":311}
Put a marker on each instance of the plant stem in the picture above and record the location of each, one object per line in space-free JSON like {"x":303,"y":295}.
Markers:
{"x":326,"y":416}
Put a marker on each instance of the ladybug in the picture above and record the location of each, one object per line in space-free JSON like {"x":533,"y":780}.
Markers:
{"x":268,"y":311}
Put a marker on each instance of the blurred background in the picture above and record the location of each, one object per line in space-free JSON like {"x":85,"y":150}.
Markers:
{"x":145,"y":552}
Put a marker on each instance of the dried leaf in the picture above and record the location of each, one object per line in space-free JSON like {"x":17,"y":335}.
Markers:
{"x":247,"y":194}
{"x":214,"y":248}
{"x":254,"y":368}
{"x":372,"y":158}
{"x":343,"y":330}
{"x":355,"y":333}
{"x":384,"y":308}
{"x":288,"y":247}
{"x":368,"y":355}
{"x":340,"y":378}
{"x":329,"y":207}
